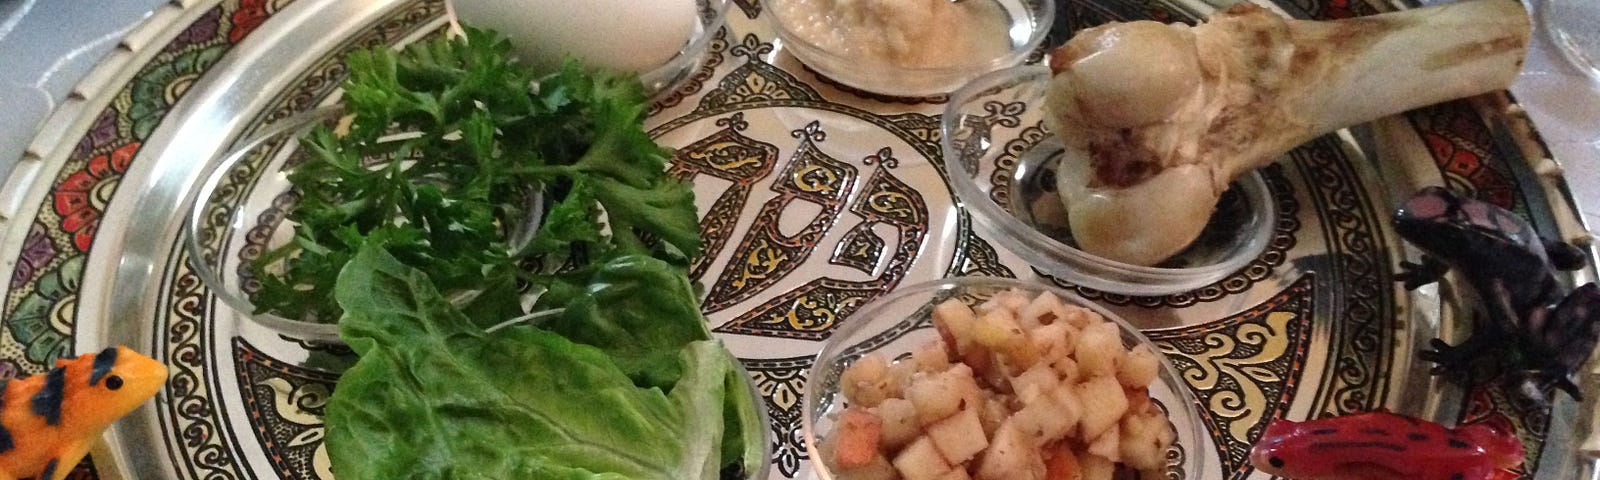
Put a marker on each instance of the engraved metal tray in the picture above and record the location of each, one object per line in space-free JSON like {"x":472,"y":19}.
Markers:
{"x":816,"y":198}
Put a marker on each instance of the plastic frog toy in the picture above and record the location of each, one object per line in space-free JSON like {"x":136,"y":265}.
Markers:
{"x":49,"y":421}
{"x":1530,"y":332}
{"x":1382,"y":445}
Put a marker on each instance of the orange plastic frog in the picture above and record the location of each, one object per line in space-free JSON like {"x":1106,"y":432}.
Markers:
{"x":49,"y":421}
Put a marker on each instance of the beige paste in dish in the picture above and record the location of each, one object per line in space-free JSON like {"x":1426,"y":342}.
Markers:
{"x":901,"y":33}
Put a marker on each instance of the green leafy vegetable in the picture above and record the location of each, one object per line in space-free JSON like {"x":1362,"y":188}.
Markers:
{"x":482,"y":144}
{"x":412,"y":243}
{"x":434,"y":397}
{"x":639,"y":310}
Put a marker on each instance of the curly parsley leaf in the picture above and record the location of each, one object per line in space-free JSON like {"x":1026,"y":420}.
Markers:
{"x":479,"y":142}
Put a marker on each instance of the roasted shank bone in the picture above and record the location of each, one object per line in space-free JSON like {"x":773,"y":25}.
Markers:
{"x":1157,"y":119}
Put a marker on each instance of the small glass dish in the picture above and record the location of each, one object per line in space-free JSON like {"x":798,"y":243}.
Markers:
{"x":900,"y":322}
{"x":240,"y":214}
{"x":823,"y":41}
{"x":1002,"y":162}
{"x":711,"y":16}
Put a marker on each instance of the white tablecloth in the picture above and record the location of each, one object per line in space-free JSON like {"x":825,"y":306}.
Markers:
{"x":1565,"y":106}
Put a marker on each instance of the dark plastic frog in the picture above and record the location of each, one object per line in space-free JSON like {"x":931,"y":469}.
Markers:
{"x":1530,"y":333}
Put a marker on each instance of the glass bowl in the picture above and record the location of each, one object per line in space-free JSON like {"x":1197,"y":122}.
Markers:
{"x":239,"y":214}
{"x":763,"y":424}
{"x":900,"y":322}
{"x":824,"y":42}
{"x":711,"y":16}
{"x":1002,"y":162}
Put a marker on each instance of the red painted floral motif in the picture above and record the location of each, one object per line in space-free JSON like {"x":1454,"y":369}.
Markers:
{"x":1464,"y":150}
{"x":75,"y":198}
{"x":1337,"y":9}
{"x":250,"y":15}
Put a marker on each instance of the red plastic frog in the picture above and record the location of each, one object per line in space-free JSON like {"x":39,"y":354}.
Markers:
{"x":1382,"y":445}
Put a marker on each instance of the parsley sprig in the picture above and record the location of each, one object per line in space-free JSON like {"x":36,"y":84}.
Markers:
{"x":480,"y":141}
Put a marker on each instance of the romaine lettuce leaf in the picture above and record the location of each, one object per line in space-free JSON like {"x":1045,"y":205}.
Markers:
{"x":433,"y":396}
{"x":639,"y":309}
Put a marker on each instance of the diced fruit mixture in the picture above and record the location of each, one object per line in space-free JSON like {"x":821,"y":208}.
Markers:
{"x":1020,"y":388}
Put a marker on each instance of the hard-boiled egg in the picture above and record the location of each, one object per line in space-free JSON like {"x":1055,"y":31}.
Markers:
{"x":624,"y":35}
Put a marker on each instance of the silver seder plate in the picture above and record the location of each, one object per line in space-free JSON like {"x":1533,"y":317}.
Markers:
{"x":815,"y":199}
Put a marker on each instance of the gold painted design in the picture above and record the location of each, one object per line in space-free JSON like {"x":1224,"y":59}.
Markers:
{"x":762,"y":260}
{"x":1244,"y":369}
{"x":811,"y":311}
{"x":782,"y":383}
{"x":755,"y":80}
{"x":767,"y":254}
{"x":815,"y":312}
{"x":728,"y":155}
{"x":815,"y":179}
{"x":860,"y":249}
{"x":286,"y":404}
{"x":1247,"y":405}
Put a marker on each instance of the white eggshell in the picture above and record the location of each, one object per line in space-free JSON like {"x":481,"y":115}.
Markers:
{"x":624,"y":35}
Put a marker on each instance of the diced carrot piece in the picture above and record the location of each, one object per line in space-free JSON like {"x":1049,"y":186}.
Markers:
{"x":1061,"y":464}
{"x":1138,"y":399}
{"x":859,"y":434}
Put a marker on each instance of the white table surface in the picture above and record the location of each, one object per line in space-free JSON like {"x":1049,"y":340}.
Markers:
{"x":46,"y":46}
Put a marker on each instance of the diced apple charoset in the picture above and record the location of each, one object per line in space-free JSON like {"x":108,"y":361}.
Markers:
{"x":921,"y":461}
{"x":998,"y":330}
{"x":1054,"y":342}
{"x":1050,"y":417}
{"x":1068,"y":369}
{"x":1100,"y":349}
{"x":1138,"y":399}
{"x":878,"y":469}
{"x":1045,"y":309}
{"x":954,"y":321}
{"x":1095,"y":467}
{"x":931,"y":357}
{"x":1142,"y":446}
{"x":1022,"y":387}
{"x":900,"y":374}
{"x":1139,"y":367}
{"x":1082,"y":318}
{"x":960,"y":436}
{"x":993,"y":415}
{"x":940,"y":395}
{"x":866,"y":382}
{"x":1036,"y":381}
{"x":1060,"y":463}
{"x":1103,"y":405}
{"x":900,"y":423}
{"x":1012,"y":455}
{"x":1108,"y":444}
{"x":1012,"y":299}
{"x":956,"y":474}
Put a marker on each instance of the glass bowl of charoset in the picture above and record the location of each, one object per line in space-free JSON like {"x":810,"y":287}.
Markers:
{"x":900,"y":322}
